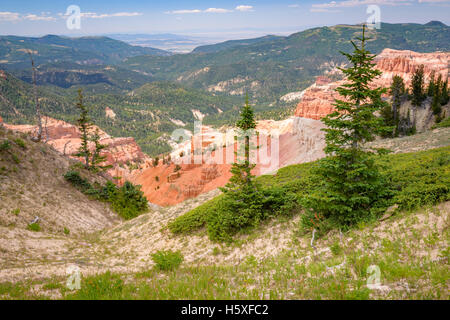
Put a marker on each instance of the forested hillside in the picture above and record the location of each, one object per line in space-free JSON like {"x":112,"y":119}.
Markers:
{"x":148,"y":114}
{"x":52,"y":48}
{"x":269,"y":69}
{"x":152,"y":92}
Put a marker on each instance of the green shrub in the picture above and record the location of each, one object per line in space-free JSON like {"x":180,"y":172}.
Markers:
{"x":108,"y":191}
{"x":445,"y":123}
{"x":76,"y":180}
{"x":233,"y":213}
{"x":336,"y":249}
{"x":129,"y":201}
{"x":419,"y":179}
{"x":194,"y":219}
{"x":66,"y":231}
{"x":34,"y":227}
{"x":239,"y":210}
{"x":224,"y":217}
{"x":16,"y":211}
{"x":15,"y":158}
{"x":5,"y":145}
{"x":167,"y":260}
{"x":20,"y":143}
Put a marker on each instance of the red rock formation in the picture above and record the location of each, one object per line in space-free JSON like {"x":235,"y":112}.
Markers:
{"x":299,"y":140}
{"x":318,"y":99}
{"x":65,"y":138}
{"x":163,"y":186}
{"x":404,"y":63}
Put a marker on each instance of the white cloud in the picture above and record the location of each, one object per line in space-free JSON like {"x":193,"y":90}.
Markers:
{"x":45,"y":16}
{"x":209,"y":10}
{"x":434,"y":1}
{"x":184,"y":11}
{"x":9,"y":16}
{"x":15,"y":16}
{"x":217,"y":10}
{"x":244,"y":8}
{"x":94,"y":15}
{"x":356,"y":3}
{"x":34,"y":17}
{"x":293,"y":5}
{"x":323,"y":10}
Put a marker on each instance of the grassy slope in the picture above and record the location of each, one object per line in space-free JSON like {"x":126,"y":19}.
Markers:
{"x":411,"y":250}
{"x":416,"y":179}
{"x":274,"y":261}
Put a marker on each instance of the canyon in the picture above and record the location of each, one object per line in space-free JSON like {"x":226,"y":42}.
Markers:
{"x":123,"y":154}
{"x":300,"y":138}
{"x":202,"y":161}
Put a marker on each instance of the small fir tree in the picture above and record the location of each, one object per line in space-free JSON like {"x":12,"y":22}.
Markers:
{"x":84,"y":125}
{"x":97,"y":159}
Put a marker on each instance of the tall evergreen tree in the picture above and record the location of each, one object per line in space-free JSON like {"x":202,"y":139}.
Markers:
{"x":391,"y":114}
{"x":352,"y":184}
{"x":242,"y":204}
{"x":431,"y":85}
{"x":84,"y":125}
{"x":417,"y":87}
{"x":444,"y":93}
{"x":241,"y":172}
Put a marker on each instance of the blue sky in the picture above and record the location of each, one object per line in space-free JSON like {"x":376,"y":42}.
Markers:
{"x":27,"y":17}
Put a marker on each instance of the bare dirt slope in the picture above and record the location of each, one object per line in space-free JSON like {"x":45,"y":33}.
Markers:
{"x":431,"y":139}
{"x":32,"y":185}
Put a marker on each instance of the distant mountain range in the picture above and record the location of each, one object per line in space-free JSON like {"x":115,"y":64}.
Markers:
{"x":52,"y":48}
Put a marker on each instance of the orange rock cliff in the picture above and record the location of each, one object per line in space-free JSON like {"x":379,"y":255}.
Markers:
{"x":318,"y":99}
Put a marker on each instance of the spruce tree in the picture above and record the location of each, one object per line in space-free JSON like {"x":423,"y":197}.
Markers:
{"x":444,"y":93}
{"x":241,"y":172}
{"x":97,"y":158}
{"x":391,"y":114}
{"x":84,"y":125}
{"x":351,"y":183}
{"x":242,"y":204}
{"x":437,"y":98}
{"x":246,"y":123}
{"x":417,"y":87}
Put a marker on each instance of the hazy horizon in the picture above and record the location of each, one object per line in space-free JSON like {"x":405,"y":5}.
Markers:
{"x":206,"y":18}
